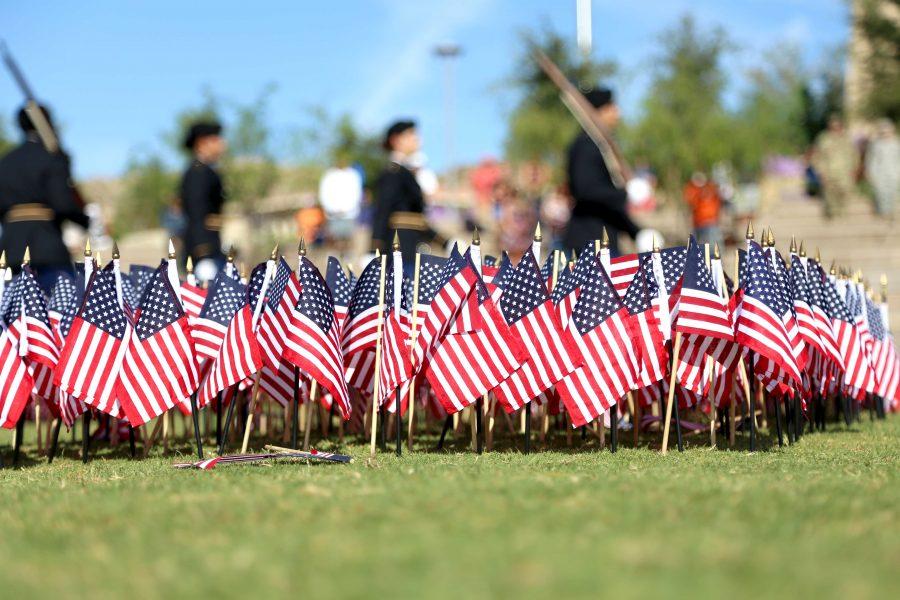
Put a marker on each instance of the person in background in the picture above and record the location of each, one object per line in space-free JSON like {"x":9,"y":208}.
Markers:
{"x":340,"y":196}
{"x":202,"y":197}
{"x":399,"y":201}
{"x":835,"y":159}
{"x":883,"y":167}
{"x":598,"y":202}
{"x":36,"y":198}
{"x":517,"y":222}
{"x":703,"y":198}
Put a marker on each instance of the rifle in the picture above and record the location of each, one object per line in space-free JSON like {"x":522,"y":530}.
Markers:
{"x":44,"y":129}
{"x":582,"y":110}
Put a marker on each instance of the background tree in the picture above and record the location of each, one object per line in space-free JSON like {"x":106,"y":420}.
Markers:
{"x":150,"y":187}
{"x":540,"y":126}
{"x":6,"y":140}
{"x":683,"y":124}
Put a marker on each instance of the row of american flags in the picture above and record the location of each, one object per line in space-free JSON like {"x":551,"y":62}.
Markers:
{"x":577,"y":336}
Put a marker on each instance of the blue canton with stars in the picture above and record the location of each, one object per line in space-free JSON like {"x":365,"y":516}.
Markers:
{"x":315,"y":301}
{"x":638,"y":298}
{"x":140,"y":277}
{"x":337,"y":282}
{"x":525,"y":290}
{"x":160,"y":307}
{"x":696,"y":274}
{"x":799,"y":282}
{"x":431,"y":268}
{"x":503,"y":271}
{"x":226,"y":296}
{"x":101,"y":308}
{"x":254,"y":286}
{"x":278,"y":283}
{"x":833,"y":305}
{"x":27,"y":290}
{"x":572,"y":280}
{"x":760,"y":281}
{"x":597,"y":302}
{"x":365,"y":292}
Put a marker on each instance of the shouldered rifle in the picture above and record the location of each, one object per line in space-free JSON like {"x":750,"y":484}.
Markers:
{"x":42,"y":125}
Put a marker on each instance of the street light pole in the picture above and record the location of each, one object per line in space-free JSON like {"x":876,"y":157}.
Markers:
{"x":449,"y":52}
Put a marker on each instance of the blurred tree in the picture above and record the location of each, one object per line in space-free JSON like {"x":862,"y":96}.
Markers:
{"x":881,"y":27}
{"x":150,"y":187}
{"x":823,"y":95}
{"x":330,"y":141}
{"x":770,"y":119}
{"x":540,"y":126}
{"x":684,"y":125}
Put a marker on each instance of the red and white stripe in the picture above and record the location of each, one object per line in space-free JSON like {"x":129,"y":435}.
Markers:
{"x":238,"y":358}
{"x":319,"y":355}
{"x":15,"y":382}
{"x":192,"y":299}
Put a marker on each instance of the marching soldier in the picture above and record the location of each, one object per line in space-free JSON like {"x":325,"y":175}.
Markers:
{"x":202,"y":197}
{"x":836,"y":159}
{"x":399,"y":202}
{"x":599,"y":202}
{"x":36,"y":198}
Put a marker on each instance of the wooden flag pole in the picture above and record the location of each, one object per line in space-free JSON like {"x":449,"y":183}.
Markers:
{"x":86,"y":435}
{"x":18,"y":434}
{"x":37,"y":426}
{"x":671,"y":396}
{"x":295,"y":409}
{"x":377,"y":386}
{"x":413,"y":335}
{"x":229,"y":415}
{"x":313,"y":389}
{"x":254,"y":398}
{"x":54,"y":440}
{"x":195,"y":416}
{"x":748,"y":392}
{"x":219,"y":419}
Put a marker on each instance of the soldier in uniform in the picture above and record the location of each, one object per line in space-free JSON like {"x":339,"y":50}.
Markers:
{"x":836,"y":159}
{"x":598,"y":201}
{"x":399,"y":202}
{"x":202,"y":197}
{"x":36,"y":198}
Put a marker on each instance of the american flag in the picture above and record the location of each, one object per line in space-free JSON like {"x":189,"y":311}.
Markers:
{"x":817,"y":280}
{"x":786,"y":294}
{"x":863,"y":379}
{"x":806,"y":320}
{"x":503,"y":271}
{"x":568,"y":286}
{"x":159,"y":369}
{"x":622,"y":270}
{"x":29,"y":322}
{"x":238,"y":357}
{"x":547,"y":268}
{"x":396,"y":366}
{"x":313,"y":342}
{"x":225,"y":296}
{"x":600,"y":322}
{"x":340,"y":288}
{"x":15,"y":381}
{"x":884,"y":358}
{"x":431,"y":269}
{"x":91,"y":359}
{"x":552,"y":353}
{"x":760,"y":322}
{"x":648,"y":340}
{"x":360,"y":330}
{"x":277,"y":375}
{"x":64,"y":301}
{"x":705,"y":323}
{"x":476,"y":350}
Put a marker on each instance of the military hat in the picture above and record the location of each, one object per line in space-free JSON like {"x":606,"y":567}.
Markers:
{"x":24,"y":120}
{"x":599,"y":96}
{"x":199,"y":130}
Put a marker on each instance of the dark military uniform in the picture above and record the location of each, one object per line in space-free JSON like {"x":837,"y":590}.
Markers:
{"x":36,"y":196}
{"x":400,"y":205}
{"x":598,"y":202}
{"x":202,"y":197}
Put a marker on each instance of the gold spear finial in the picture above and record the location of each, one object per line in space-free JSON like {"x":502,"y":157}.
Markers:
{"x":749,"y":235}
{"x":604,"y":238}
{"x":818,"y":256}
{"x":189,"y":266}
{"x":230,"y":257}
{"x":771,"y":239}
{"x":476,"y":239}
{"x":716,"y":254}
{"x":793,"y":245}
{"x":301,"y":249}
{"x":171,"y":249}
{"x":99,"y":258}
{"x":243,"y":271}
{"x":655,"y":244}
{"x":27,"y":258}
{"x":115,"y":251}
{"x":395,"y":245}
{"x":833,"y":269}
{"x":537,"y":232}
{"x":3,"y":259}
{"x":87,"y":248}
{"x":764,"y":238}
{"x":274,"y":254}
{"x":377,"y":252}
{"x":802,"y":250}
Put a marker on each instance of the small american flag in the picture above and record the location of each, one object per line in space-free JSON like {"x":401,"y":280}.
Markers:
{"x":551,"y":352}
{"x":15,"y":381}
{"x":568,"y":286}
{"x":884,"y":358}
{"x":340,"y":288}
{"x":92,"y":357}
{"x":159,"y":369}
{"x":313,"y":342}
{"x":857,"y":375}
{"x":648,"y":339}
{"x":225,"y":296}
{"x":806,"y":320}
{"x":29,"y":322}
{"x":760,"y":325}
{"x":360,"y":331}
{"x":817,"y":279}
{"x":277,"y":375}
{"x":600,"y":327}
{"x":396,"y":366}
{"x":64,"y":300}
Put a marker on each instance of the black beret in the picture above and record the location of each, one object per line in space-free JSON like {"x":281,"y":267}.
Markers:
{"x":25,"y":123}
{"x":600,"y":96}
{"x":395,"y":128}
{"x":199,"y":130}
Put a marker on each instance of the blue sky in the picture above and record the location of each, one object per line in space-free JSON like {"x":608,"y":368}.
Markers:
{"x":116,"y":72}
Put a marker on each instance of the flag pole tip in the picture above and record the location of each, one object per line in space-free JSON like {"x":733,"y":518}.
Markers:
{"x":573,"y":258}
{"x":476,"y":238}
{"x":189,"y":266}
{"x":230,"y":257}
{"x":716,"y":254}
{"x":301,"y":249}
{"x":395,"y":245}
{"x":3,"y":259}
{"x":87,"y":247}
{"x":115,"y":251}
{"x":749,"y":234}
{"x":604,"y":238}
{"x":802,"y":249}
{"x":793,"y":245}
{"x":171,"y":249}
{"x":274,"y":254}
{"x":537,"y":232}
{"x":27,"y":257}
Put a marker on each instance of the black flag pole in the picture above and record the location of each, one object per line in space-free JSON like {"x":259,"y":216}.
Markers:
{"x":399,"y":423}
{"x":54,"y":441}
{"x":229,"y":415}
{"x":20,"y":431}
{"x":614,"y":432}
{"x":778,"y":422}
{"x":448,"y":423}
{"x":195,"y":416}
{"x":86,"y":435}
{"x":479,"y":430}
{"x":131,"y":442}
{"x":527,"y":409}
{"x":295,"y":413}
{"x":218,"y":419}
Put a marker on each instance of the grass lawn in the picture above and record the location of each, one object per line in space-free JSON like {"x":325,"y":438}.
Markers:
{"x":819,"y":519}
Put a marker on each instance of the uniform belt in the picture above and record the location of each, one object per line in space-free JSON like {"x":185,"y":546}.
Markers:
{"x":214,"y":221}
{"x":21,"y":213}
{"x":408,"y":220}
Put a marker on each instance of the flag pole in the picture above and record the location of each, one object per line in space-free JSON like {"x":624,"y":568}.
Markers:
{"x":732,"y":409}
{"x":377,"y":386}
{"x":295,"y":409}
{"x":413,"y":334}
{"x":313,"y":388}
{"x":397,"y":284}
{"x":229,"y":415}
{"x":536,"y":249}
{"x":671,"y":396}
{"x":709,"y":360}
{"x":477,"y":422}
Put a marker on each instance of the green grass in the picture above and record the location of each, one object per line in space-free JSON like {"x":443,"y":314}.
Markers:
{"x":819,"y":519}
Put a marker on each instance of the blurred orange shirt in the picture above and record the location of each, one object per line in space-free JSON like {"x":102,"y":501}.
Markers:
{"x":704,"y":202}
